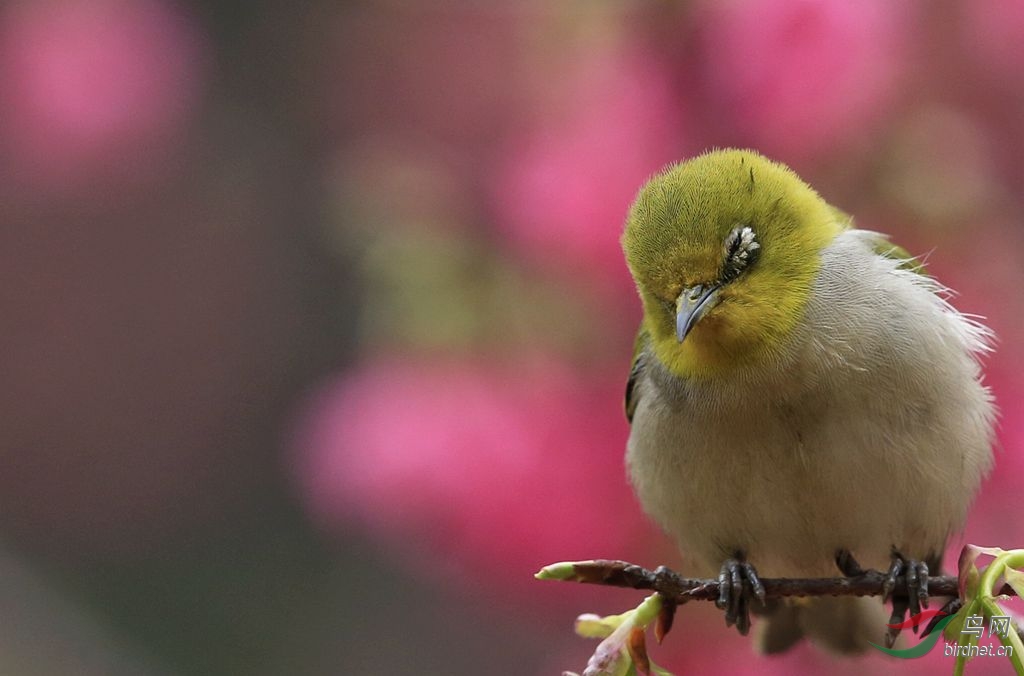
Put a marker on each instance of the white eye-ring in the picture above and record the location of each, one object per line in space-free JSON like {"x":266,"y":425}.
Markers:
{"x":741,"y":249}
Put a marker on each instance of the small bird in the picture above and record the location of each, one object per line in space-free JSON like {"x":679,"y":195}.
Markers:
{"x":802,"y":396}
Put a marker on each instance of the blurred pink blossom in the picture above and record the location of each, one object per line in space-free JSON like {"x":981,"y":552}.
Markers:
{"x":486,"y":471}
{"x":94,"y":86}
{"x":799,"y":77}
{"x":982,"y":246}
{"x":994,"y":35}
{"x":993,"y":518}
{"x":562,"y":194}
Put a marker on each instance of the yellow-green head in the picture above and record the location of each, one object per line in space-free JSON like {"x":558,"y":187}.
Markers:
{"x":724,"y":249}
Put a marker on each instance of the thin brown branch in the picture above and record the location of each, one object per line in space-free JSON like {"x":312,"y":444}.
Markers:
{"x":680,"y":589}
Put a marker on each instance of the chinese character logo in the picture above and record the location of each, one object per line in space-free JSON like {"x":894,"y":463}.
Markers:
{"x":974,"y":625}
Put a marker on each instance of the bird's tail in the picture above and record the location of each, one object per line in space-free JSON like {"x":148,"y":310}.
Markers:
{"x":842,"y":625}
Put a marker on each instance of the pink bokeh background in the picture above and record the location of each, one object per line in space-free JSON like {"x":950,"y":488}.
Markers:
{"x":319,"y":327}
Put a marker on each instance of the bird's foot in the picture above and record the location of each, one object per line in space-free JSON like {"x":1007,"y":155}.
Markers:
{"x":848,"y":565}
{"x":738,"y":581}
{"x":915,"y":573}
{"x":949,"y":608}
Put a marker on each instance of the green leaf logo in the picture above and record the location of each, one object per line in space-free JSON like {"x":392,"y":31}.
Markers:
{"x":925,"y":646}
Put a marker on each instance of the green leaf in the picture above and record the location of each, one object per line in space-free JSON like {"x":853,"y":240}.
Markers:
{"x":968,"y":572}
{"x":1015,"y":579}
{"x":589,"y":625}
{"x":564,"y":570}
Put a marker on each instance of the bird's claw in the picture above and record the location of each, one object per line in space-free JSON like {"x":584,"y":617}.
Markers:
{"x":848,"y":565}
{"x":915,"y":574}
{"x":737,"y":582}
{"x":899,"y":613}
{"x":951,"y":607}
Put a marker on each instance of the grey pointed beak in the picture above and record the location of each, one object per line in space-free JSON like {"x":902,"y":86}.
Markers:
{"x":692,"y":304}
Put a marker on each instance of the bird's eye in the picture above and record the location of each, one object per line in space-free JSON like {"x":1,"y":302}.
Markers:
{"x":732,"y":245}
{"x":741,"y":249}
